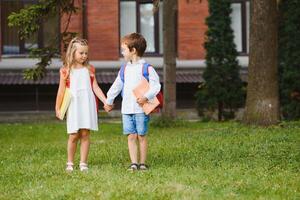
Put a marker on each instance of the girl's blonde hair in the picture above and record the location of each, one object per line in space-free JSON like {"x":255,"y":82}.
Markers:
{"x":72,"y":47}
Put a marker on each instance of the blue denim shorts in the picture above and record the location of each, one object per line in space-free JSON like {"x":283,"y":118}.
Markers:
{"x":135,"y":123}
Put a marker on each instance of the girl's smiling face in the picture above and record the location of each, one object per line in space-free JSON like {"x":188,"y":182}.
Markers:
{"x":81,"y":53}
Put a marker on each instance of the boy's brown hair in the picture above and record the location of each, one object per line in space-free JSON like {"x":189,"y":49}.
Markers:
{"x":137,"y":41}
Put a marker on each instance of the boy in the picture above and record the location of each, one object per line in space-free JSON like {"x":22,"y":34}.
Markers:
{"x":135,"y":121}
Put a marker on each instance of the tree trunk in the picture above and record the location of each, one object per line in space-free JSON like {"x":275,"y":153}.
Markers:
{"x":169,"y":33}
{"x":262,"y":103}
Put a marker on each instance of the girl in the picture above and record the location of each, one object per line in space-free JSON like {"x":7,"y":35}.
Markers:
{"x":80,"y":77}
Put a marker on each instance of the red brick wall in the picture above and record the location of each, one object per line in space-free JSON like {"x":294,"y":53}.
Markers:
{"x":75,"y":24}
{"x":191,"y":28}
{"x":103,"y":29}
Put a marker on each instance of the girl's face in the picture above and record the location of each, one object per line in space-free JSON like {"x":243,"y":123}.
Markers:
{"x":81,"y":53}
{"x":128,"y":55}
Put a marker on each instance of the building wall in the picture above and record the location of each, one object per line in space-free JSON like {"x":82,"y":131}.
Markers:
{"x":103,"y":29}
{"x":75,"y":23}
{"x":191,"y":28}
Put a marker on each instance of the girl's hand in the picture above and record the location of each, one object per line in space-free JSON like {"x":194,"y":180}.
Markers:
{"x":57,"y":112}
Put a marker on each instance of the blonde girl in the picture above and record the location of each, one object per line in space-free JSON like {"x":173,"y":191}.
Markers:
{"x":79,"y":76}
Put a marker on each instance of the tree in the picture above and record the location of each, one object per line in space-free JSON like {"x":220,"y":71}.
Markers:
{"x":169,"y":38}
{"x":289,"y":59}
{"x":262,"y":103}
{"x":29,"y":19}
{"x":222,"y":89}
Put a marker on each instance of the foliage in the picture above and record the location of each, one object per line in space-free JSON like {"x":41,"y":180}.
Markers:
{"x":28,"y":21}
{"x":223,"y":88}
{"x":167,"y":122}
{"x":289,"y":58}
{"x":198,"y":161}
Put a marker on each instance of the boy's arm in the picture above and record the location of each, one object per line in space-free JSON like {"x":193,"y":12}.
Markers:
{"x":114,"y":90}
{"x":154,"y":84}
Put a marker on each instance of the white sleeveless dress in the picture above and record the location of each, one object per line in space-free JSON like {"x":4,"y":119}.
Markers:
{"x":82,"y":113}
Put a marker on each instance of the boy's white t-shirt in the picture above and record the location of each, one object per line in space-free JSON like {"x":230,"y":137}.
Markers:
{"x":132,"y":76}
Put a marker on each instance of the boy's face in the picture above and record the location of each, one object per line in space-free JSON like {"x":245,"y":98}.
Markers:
{"x":128,"y":55}
{"x":81,"y":53}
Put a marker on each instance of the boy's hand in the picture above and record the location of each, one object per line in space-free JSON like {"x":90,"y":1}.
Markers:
{"x":107,"y":107}
{"x":142,"y":100}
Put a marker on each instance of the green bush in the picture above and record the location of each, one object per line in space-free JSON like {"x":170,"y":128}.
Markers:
{"x":223,"y":88}
{"x":289,"y":59}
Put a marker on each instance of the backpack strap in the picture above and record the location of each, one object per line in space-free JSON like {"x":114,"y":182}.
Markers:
{"x":64,"y":72}
{"x":146,"y":71}
{"x":122,"y":72}
{"x":92,"y":70}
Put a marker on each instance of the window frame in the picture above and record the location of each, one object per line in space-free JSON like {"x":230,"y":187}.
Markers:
{"x":40,"y":34}
{"x":156,"y":53}
{"x":244,"y":19}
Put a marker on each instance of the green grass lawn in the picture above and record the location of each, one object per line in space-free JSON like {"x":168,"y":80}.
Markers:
{"x":193,"y":161}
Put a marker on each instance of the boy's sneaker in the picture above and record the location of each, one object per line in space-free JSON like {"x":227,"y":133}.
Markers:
{"x":133,"y":167}
{"x":143,"y":167}
{"x":83,"y":167}
{"x":69,"y":167}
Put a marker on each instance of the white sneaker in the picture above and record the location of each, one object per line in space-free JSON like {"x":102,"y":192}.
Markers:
{"x":83,"y":167}
{"x":69,"y":167}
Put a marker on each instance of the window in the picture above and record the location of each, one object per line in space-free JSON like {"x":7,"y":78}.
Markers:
{"x":137,"y":16}
{"x":240,"y":17}
{"x":11,"y":43}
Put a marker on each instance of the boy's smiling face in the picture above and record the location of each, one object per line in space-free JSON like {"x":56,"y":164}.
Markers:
{"x":128,"y":55}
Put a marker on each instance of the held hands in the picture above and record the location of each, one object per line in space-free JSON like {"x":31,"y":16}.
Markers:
{"x":108,"y":108}
{"x":141,"y":100}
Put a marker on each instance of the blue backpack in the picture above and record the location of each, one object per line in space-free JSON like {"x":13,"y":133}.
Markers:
{"x":145,"y":72}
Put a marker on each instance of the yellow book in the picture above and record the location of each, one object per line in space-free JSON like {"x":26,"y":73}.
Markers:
{"x":65,"y":103}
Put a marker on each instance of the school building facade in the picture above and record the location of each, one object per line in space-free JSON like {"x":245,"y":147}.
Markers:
{"x":103,"y":23}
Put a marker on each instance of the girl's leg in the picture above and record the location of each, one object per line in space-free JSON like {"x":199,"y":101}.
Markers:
{"x":132,"y":147}
{"x":84,"y":145}
{"x":143,"y":148}
{"x":72,"y":144}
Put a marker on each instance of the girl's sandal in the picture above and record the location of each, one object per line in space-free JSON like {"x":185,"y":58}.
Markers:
{"x":69,"y":167}
{"x":143,"y":167}
{"x":133,"y":167}
{"x":83,"y":167}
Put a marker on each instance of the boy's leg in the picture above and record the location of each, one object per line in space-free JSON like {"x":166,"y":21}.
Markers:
{"x":72,"y":144}
{"x":130,"y":130}
{"x":142,"y":121}
{"x":132,"y":147}
{"x":84,"y":145}
{"x":143,"y":148}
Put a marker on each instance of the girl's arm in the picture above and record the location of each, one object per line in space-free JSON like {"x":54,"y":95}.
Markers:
{"x":98,"y":92}
{"x":61,"y":90}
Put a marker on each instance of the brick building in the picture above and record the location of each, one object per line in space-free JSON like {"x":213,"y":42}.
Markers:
{"x":103,"y":23}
